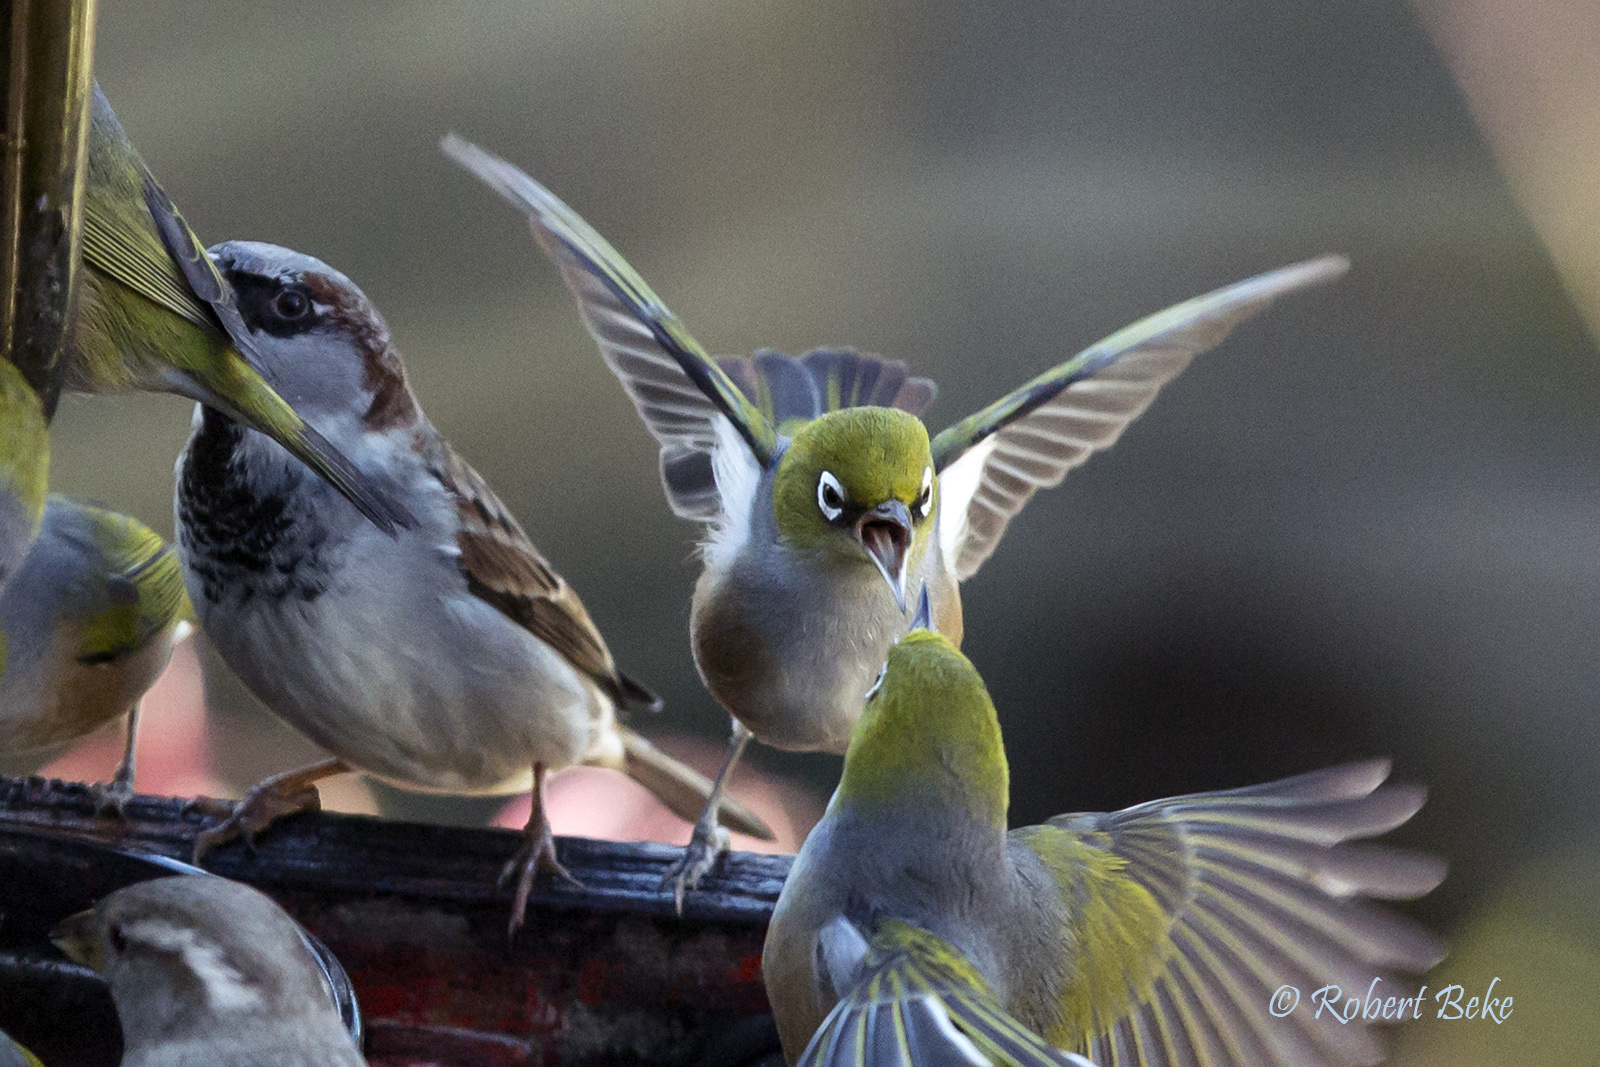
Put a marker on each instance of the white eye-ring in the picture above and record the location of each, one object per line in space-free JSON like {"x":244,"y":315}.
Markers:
{"x":830,"y":496}
{"x":924,"y":498}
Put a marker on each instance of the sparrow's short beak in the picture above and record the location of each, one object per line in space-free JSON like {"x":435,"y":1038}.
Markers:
{"x":79,"y":937}
{"x":885,"y":533}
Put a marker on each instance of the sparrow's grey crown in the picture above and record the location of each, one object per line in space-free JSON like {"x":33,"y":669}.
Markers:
{"x":319,"y":341}
{"x":275,"y":263}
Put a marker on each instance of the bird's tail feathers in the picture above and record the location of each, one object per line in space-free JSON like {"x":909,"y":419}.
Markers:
{"x":632,"y":694}
{"x":682,"y":788}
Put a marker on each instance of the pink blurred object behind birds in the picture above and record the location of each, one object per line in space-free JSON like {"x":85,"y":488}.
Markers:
{"x":590,"y":802}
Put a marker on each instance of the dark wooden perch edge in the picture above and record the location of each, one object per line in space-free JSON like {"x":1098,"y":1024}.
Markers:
{"x":606,"y":974}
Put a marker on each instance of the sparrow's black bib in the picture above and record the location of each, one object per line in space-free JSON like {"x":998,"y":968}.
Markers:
{"x":239,"y":539}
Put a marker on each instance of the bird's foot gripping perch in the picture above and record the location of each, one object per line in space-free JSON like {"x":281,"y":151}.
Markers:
{"x":711,"y":839}
{"x":706,"y":847}
{"x":111,"y":798}
{"x":536,"y":853}
{"x":283,"y":794}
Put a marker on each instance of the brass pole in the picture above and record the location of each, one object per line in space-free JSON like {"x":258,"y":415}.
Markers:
{"x":49,"y":50}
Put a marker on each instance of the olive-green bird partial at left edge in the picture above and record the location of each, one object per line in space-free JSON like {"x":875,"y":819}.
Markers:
{"x":24,"y":467}
{"x":1190,"y":914}
{"x":677,"y":388}
{"x":991,"y":463}
{"x":914,"y":1001}
{"x":157,"y":315}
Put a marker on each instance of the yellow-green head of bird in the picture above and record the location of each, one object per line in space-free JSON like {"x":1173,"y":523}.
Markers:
{"x":857,"y":485}
{"x":929,"y":733}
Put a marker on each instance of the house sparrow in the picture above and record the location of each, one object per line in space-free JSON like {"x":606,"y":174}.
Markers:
{"x":86,"y":627}
{"x":1155,"y":935}
{"x":451,"y":658}
{"x":209,"y":973}
{"x":154,"y":315}
{"x":824,"y":496}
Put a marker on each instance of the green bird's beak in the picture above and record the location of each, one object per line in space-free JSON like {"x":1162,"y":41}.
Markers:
{"x":79,"y":937}
{"x":885,"y":535}
{"x":232,"y":386}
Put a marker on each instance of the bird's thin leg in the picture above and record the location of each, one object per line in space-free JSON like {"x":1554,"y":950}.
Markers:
{"x":711,"y":840}
{"x":113,"y":796}
{"x":267,"y":801}
{"x":537,"y":852}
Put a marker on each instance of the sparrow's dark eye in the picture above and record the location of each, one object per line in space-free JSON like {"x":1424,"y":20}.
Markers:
{"x":119,"y":940}
{"x":291,"y":304}
{"x":830,"y":496}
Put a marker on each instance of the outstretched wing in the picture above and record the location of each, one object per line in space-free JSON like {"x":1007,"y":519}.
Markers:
{"x":991,"y":463}
{"x":503,"y":568}
{"x":913,"y":1001}
{"x":677,"y":388}
{"x":1191,"y":914}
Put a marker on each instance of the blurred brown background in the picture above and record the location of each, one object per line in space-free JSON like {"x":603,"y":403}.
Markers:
{"x":1363,"y":526}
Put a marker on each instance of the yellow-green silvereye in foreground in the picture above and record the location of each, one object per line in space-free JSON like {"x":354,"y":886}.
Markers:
{"x":153,"y":314}
{"x":209,"y":973}
{"x":824,"y":497}
{"x":1154,"y":935}
{"x":24,"y":469}
{"x":86,"y":626}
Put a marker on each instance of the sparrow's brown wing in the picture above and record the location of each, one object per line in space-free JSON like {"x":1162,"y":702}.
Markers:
{"x":502,"y":567}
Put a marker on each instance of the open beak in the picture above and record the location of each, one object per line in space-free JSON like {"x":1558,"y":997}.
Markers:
{"x":79,"y":937}
{"x":240,"y":393}
{"x":885,"y":534}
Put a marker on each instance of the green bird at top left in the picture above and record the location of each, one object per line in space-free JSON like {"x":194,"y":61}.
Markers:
{"x":153,"y":314}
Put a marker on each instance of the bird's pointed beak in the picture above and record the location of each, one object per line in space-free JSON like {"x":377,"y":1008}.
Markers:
{"x":234,"y":388}
{"x":79,"y":937}
{"x":885,"y":534}
{"x":923,"y":620}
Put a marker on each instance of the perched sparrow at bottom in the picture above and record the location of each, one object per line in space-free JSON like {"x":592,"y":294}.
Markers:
{"x":209,"y":973}
{"x":827,"y":502}
{"x":24,"y":468}
{"x":451,"y":658}
{"x":86,"y":626}
{"x":1154,"y":935}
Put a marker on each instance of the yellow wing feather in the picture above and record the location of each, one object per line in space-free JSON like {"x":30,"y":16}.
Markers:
{"x":1187,"y":915}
